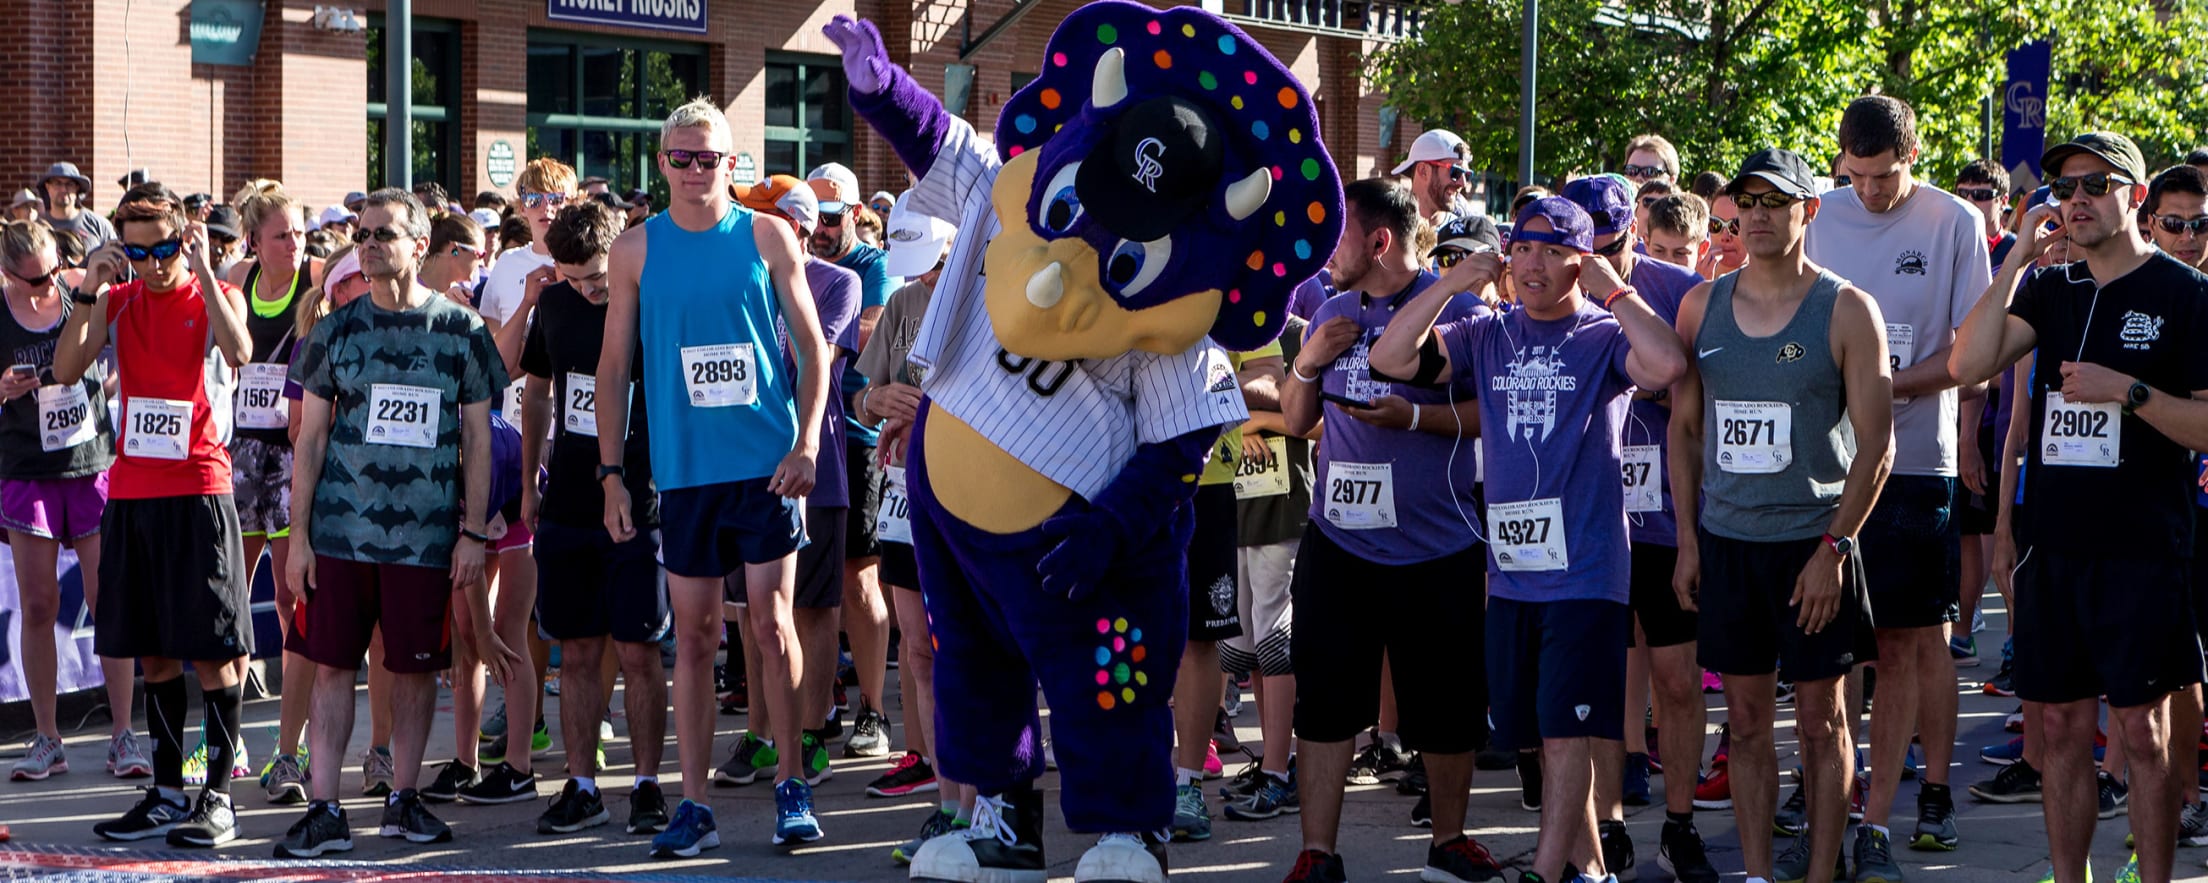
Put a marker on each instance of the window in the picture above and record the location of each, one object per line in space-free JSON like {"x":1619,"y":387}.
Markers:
{"x":808,"y":115}
{"x":436,"y":98}
{"x":597,"y":104}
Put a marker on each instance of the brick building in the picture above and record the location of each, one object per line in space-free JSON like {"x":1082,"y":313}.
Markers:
{"x":112,"y":86}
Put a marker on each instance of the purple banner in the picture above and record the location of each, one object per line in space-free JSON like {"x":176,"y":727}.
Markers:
{"x":684,"y":16}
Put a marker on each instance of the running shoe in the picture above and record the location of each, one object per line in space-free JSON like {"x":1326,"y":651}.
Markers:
{"x":1313,"y":866}
{"x":153,"y":816}
{"x":1213,"y":767}
{"x":1858,"y":795}
{"x":2014,"y":723}
{"x":501,"y":783}
{"x":406,"y":817}
{"x":324,"y":829}
{"x":126,"y":756}
{"x":195,"y":763}
{"x":377,"y":772}
{"x":1712,"y":684}
{"x":2130,"y":871}
{"x":2113,"y":795}
{"x":1964,"y":649}
{"x":737,"y":698}
{"x":1377,"y":763}
{"x":869,"y":736}
{"x":1191,"y":816}
{"x":1935,"y":819}
{"x":1680,"y":853}
{"x":937,"y":824}
{"x":44,"y":758}
{"x":2003,"y":754}
{"x":2015,"y":783}
{"x":647,"y":808}
{"x":212,"y":823}
{"x":816,"y":760}
{"x":1422,"y":812}
{"x":574,"y":810}
{"x":1977,"y":621}
{"x":1274,"y":796}
{"x":750,"y":757}
{"x":1792,"y":817}
{"x":2192,"y":825}
{"x":286,"y":782}
{"x":2002,"y":683}
{"x":1242,"y":784}
{"x":540,"y":744}
{"x":1716,"y":791}
{"x":1529,"y":781}
{"x":1617,"y":846}
{"x":690,"y":832}
{"x":1461,"y":860}
{"x":494,"y":726}
{"x":452,"y":777}
{"x":1792,"y":864}
{"x":793,"y":813}
{"x":1414,"y":775}
{"x":1635,"y":782}
{"x":911,"y":775}
{"x":1874,"y":857}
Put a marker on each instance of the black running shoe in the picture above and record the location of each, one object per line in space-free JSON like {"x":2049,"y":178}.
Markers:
{"x":1681,"y":854}
{"x":574,"y":810}
{"x":452,"y":777}
{"x":323,"y":829}
{"x":647,"y":809}
{"x":153,"y":816}
{"x":501,"y":784}
{"x":212,"y":823}
{"x":1462,"y":860}
{"x":405,"y":816}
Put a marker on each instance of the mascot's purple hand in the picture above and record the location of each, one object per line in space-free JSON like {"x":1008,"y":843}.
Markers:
{"x":1086,"y":544}
{"x":865,"y":59}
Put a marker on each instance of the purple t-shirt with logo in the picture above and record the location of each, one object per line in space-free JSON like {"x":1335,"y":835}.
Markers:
{"x":1663,"y":286}
{"x":1306,"y":299}
{"x":836,"y":300}
{"x":1368,"y":475}
{"x":1552,"y":404}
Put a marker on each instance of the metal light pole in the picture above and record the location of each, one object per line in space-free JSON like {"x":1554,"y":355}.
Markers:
{"x":1528,"y":57}
{"x":398,"y":69}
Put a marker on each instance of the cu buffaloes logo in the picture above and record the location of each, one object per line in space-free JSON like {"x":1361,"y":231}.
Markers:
{"x":1792,"y":352}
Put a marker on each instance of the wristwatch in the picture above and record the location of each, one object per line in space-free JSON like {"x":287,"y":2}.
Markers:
{"x":480,"y":538}
{"x":1841,"y":546}
{"x":2137,"y":396}
{"x":90,"y":300}
{"x":605,"y":472}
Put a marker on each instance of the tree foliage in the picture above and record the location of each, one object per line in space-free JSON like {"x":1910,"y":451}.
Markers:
{"x":1722,"y":78}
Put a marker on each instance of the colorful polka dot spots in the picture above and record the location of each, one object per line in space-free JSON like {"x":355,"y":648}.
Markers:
{"x":1119,"y":651}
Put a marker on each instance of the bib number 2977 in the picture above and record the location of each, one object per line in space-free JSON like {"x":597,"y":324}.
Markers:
{"x":1360,"y":496}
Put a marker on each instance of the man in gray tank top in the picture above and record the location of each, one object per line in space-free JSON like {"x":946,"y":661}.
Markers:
{"x":1781,"y":437}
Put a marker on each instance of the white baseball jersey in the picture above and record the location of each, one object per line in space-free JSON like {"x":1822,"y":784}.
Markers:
{"x":1075,"y":422}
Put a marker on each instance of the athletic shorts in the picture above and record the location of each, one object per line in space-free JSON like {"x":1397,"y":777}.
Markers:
{"x":1212,"y":614}
{"x":714,"y":530}
{"x":899,"y":568}
{"x":1267,"y":611}
{"x":351,"y":598}
{"x":65,"y":509}
{"x":1350,"y":611}
{"x":2120,"y":627}
{"x":866,"y":499}
{"x":174,"y":582}
{"x":1556,"y":670}
{"x":589,"y":586}
{"x":1663,"y":622}
{"x":820,"y":561}
{"x":260,"y":481}
{"x":1912,"y":553}
{"x":2200,"y":577}
{"x":1974,"y":513}
{"x":1746,"y":626}
{"x":508,"y":532}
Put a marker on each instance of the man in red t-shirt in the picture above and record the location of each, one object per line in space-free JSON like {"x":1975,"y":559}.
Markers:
{"x":173,"y":576}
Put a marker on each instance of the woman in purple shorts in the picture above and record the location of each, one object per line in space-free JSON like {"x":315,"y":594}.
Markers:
{"x":56,"y":443}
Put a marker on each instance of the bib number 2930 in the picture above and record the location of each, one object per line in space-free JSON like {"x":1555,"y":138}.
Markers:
{"x":720,"y":376}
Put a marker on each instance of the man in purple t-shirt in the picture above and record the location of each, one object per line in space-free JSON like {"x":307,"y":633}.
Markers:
{"x":1393,"y":507}
{"x":1662,"y":651}
{"x":1554,"y":376}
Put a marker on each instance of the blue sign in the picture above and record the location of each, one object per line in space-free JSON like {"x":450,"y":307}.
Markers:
{"x":225,"y":31}
{"x":685,"y":16}
{"x":2024,"y":112}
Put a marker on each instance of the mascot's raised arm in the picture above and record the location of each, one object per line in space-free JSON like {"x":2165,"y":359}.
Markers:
{"x":1151,"y":201}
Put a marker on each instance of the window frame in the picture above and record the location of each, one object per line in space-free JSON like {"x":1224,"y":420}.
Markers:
{"x":575,"y":126}
{"x":447,"y":169}
{"x":801,"y":135}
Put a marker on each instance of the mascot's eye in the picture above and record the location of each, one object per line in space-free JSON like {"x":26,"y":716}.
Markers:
{"x":1134,"y":265}
{"x":1060,"y":208}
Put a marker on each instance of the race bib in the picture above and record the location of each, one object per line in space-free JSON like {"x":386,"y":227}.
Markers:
{"x":2080,"y":435}
{"x":156,"y":428}
{"x":64,"y":417}
{"x":261,"y":396}
{"x":1255,"y":478}
{"x":403,"y":415}
{"x":1360,"y":496}
{"x":1528,"y":535}
{"x":893,"y":521}
{"x":509,"y":405}
{"x":1901,"y":349}
{"x":719,"y":376}
{"x":1644,"y":478}
{"x":1754,"y":438}
{"x":580,"y":416}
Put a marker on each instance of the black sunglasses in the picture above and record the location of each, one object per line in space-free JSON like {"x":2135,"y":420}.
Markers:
{"x":681,"y":159}
{"x":532,"y":200}
{"x":1767,"y":199}
{"x":1634,"y":171}
{"x":2171,"y":224}
{"x":1616,"y":246}
{"x":33,"y":281}
{"x":1977,"y":194}
{"x":160,"y":251}
{"x":831,"y":219}
{"x":2096,"y":184}
{"x":386,"y":235}
{"x":1651,"y":201}
{"x":1456,"y":172}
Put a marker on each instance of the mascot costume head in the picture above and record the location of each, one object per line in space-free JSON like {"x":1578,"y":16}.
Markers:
{"x":1151,"y":201}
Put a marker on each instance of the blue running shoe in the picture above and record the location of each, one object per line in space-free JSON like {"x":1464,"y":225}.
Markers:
{"x":2003,"y":754}
{"x":793,"y":813}
{"x":690,"y":832}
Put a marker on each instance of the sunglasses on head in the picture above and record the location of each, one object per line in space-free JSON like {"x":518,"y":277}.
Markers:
{"x":2096,"y":184}
{"x":386,"y":235}
{"x":160,"y":251}
{"x":682,"y":159}
{"x":2171,"y":224}
{"x":1767,"y":199}
{"x":532,"y":200}
{"x":1978,"y":194}
{"x":1634,"y":171}
{"x":1718,"y":226}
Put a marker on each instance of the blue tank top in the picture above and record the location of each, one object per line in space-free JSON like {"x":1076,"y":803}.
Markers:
{"x":716,"y":379}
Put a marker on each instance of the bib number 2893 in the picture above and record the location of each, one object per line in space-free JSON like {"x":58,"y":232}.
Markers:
{"x":720,"y":376}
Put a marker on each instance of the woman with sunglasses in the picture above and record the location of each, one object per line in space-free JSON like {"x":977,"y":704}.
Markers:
{"x":456,"y":257}
{"x":53,"y":489}
{"x":1726,"y":254}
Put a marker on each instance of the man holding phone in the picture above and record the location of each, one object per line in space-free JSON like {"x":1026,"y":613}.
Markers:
{"x":1380,"y":516}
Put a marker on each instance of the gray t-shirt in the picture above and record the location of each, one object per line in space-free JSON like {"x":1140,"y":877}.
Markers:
{"x":396,"y":381}
{"x":883,"y":361}
{"x":91,"y":229}
{"x":1925,"y":263}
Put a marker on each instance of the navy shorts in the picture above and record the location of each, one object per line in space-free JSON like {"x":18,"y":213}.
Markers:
{"x":589,"y":586}
{"x":2120,"y":627}
{"x":1212,"y":612}
{"x":1556,"y":670}
{"x":714,"y":530}
{"x":1912,"y":553}
{"x":820,"y":563}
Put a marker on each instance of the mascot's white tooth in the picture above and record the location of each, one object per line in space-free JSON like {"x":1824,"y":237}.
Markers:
{"x":1047,"y":286}
{"x":1246,"y":196}
{"x":1111,"y":79}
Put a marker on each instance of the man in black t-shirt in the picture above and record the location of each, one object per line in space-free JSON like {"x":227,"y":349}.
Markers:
{"x":2105,"y":526}
{"x":592,"y":586}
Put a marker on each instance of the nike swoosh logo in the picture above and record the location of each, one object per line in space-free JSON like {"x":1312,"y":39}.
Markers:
{"x":1704,"y":354}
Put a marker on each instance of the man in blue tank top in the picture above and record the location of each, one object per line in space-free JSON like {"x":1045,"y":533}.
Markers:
{"x":1781,"y":436}
{"x":702,"y":288}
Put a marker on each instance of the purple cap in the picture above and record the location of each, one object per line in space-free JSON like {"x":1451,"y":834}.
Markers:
{"x":1569,"y":225}
{"x":1605,"y":200}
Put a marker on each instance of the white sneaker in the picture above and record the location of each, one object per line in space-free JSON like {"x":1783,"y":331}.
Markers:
{"x":1131,"y":858}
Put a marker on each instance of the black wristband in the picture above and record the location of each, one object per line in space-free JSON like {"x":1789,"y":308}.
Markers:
{"x":90,"y":300}
{"x":469,"y":534}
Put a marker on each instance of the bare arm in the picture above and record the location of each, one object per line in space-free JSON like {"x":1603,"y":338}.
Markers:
{"x":85,"y":334}
{"x":1927,"y":377}
{"x":1685,"y":430}
{"x":1991,"y":339}
{"x":310,"y":442}
{"x":536,"y":424}
{"x":225,"y":305}
{"x":784,"y":263}
{"x":1396,"y":353}
{"x":1261,"y":381}
{"x":1860,"y":332}
{"x":868,"y":318}
{"x":624,"y":267}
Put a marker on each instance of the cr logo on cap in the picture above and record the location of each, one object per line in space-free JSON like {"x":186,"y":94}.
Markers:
{"x":1147,"y":167}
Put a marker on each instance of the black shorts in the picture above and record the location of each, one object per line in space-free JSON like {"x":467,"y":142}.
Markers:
{"x":589,"y":586}
{"x":2200,"y":577}
{"x":174,"y":582}
{"x":1429,"y":621}
{"x":1912,"y":553}
{"x":899,"y":570}
{"x":820,"y":562}
{"x":2121,"y":627}
{"x":714,"y":530}
{"x":866,"y":500}
{"x":1663,"y":622}
{"x":1974,"y":513}
{"x":1556,"y":670}
{"x":1747,"y":627}
{"x":1213,"y":614}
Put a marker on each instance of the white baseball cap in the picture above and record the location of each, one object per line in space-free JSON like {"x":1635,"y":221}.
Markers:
{"x":487,"y":218}
{"x":846,"y":182}
{"x":915,"y":240}
{"x":335,"y":214}
{"x":1436,"y":145}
